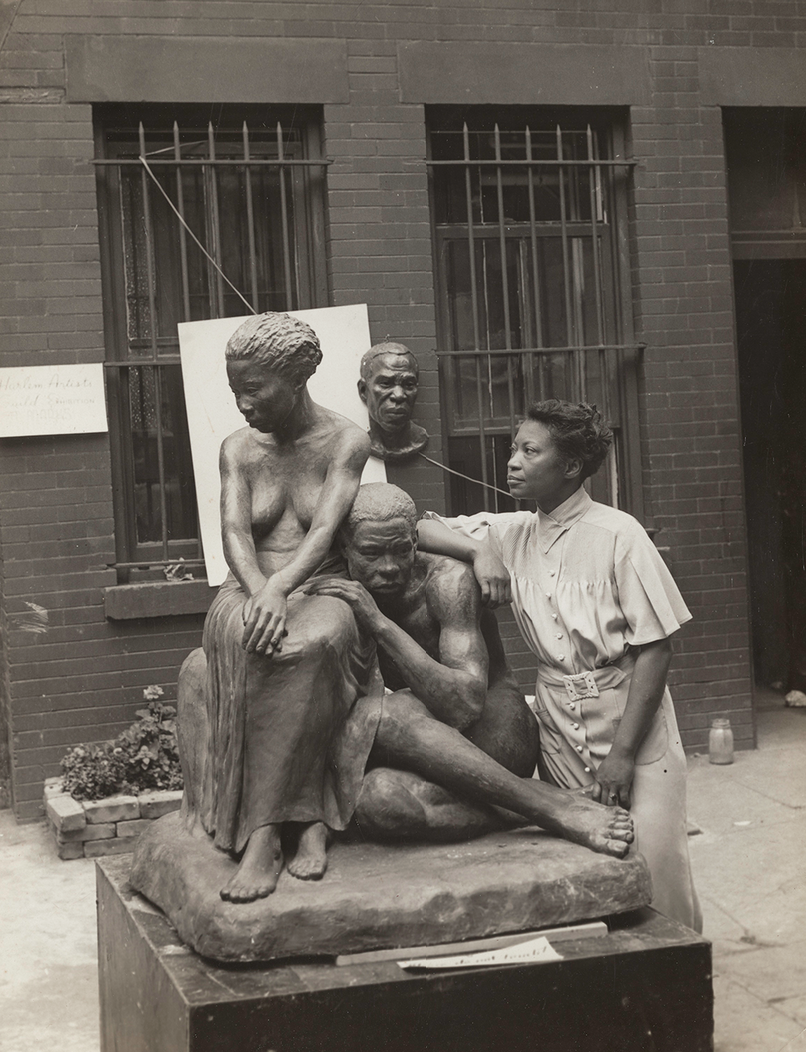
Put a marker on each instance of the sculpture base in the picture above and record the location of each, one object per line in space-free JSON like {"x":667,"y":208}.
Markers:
{"x":379,"y":895}
{"x":647,"y":982}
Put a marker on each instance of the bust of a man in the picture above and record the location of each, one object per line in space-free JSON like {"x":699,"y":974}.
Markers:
{"x":388,"y":386}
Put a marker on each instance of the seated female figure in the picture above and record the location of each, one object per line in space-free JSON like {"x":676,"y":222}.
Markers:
{"x":290,"y":682}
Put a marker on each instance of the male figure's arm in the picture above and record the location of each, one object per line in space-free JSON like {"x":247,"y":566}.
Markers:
{"x":454,"y":688}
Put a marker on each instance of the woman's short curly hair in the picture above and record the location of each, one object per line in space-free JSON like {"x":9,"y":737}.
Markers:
{"x":578,"y":431}
{"x":282,"y":343}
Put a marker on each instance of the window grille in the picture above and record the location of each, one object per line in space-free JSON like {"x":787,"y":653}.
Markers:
{"x":532,"y":292}
{"x":249,"y":188}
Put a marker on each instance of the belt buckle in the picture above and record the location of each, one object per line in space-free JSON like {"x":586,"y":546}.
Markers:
{"x":580,"y":686}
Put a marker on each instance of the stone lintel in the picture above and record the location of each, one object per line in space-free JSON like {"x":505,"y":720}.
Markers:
{"x":128,"y":68}
{"x":472,"y":73}
{"x":744,"y":76}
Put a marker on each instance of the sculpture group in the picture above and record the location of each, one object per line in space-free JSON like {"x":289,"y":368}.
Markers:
{"x":346,"y":677}
{"x":352,"y":682}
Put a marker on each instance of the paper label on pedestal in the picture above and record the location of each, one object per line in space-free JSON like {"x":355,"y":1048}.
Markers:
{"x":535,"y":951}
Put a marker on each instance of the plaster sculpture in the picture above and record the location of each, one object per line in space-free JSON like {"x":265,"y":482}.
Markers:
{"x":389,"y":386}
{"x":285,"y":735}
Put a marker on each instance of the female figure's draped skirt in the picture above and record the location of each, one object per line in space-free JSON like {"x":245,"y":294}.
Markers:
{"x":291,"y":733}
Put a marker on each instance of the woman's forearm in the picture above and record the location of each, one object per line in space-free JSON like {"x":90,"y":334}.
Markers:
{"x":308,"y":557}
{"x":645,"y":694}
{"x":239,"y":551}
{"x":439,"y":539}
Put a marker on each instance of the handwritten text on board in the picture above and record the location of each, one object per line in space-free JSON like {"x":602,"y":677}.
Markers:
{"x":52,"y":400}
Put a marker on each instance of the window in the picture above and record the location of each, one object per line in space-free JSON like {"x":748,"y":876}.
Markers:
{"x":532,"y":292}
{"x":248,"y":183}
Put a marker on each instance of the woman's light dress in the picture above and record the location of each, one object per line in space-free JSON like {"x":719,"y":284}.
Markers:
{"x":588,"y":586}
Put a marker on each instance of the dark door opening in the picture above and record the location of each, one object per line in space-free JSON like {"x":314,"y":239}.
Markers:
{"x":771,"y":333}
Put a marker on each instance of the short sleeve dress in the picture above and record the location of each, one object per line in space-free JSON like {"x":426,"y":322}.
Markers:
{"x":588,"y":587}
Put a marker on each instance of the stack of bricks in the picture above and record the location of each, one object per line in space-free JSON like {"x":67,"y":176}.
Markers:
{"x":94,"y":828}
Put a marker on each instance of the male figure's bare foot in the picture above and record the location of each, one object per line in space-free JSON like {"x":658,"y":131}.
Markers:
{"x":259,"y":868}
{"x":608,"y":830}
{"x":310,"y":860}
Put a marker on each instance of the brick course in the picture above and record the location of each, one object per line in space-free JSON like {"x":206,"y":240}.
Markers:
{"x":83,"y":677}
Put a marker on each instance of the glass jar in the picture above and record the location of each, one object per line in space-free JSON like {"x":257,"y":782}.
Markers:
{"x":720,"y":741}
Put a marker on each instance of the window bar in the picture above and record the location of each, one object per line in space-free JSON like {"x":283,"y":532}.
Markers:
{"x":615,"y":359}
{"x":475,"y":309}
{"x":284,"y":210}
{"x":250,"y":219}
{"x":216,"y":222}
{"x":566,"y":262}
{"x":535,"y":275}
{"x":183,"y":246}
{"x":597,"y":278}
{"x":152,"y":309}
{"x":502,"y":244}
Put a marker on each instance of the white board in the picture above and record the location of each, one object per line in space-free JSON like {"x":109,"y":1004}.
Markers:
{"x":212,"y":414}
{"x":52,"y":400}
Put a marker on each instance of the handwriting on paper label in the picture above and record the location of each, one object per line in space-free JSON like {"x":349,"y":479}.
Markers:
{"x":52,"y":400}
{"x":534,"y":951}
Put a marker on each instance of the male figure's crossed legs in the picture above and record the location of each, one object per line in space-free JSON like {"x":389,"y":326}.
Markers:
{"x":429,"y":781}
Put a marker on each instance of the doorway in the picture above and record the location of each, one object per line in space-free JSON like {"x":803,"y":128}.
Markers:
{"x":765,"y":153}
{"x":771,"y":335}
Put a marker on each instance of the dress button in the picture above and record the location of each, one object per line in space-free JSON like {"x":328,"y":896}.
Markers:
{"x":587,"y":770}
{"x":548,"y":595}
{"x":553,"y":617}
{"x":561,"y":657}
{"x":572,"y":705}
{"x":559,"y":635}
{"x":579,"y":748}
{"x":552,"y":573}
{"x":575,"y":726}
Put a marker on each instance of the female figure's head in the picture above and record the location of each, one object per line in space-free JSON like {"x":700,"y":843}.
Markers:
{"x":557,"y":447}
{"x":270,"y":358}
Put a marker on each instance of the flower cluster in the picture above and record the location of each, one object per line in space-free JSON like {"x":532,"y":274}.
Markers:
{"x":142,"y":758}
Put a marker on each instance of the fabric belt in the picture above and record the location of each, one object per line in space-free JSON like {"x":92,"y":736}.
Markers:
{"x":587,"y":684}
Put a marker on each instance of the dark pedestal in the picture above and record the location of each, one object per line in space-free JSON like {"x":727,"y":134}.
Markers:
{"x":645,"y":987}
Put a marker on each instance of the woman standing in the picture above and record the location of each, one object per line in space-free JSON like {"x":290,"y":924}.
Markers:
{"x":595,"y":602}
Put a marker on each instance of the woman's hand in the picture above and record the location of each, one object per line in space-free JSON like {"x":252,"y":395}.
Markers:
{"x":264,"y":616}
{"x":493,"y":578}
{"x":365,"y":610}
{"x":614,"y":779}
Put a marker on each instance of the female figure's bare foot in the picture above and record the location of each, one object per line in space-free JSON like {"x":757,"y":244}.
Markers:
{"x":310,"y":860}
{"x":259,"y":868}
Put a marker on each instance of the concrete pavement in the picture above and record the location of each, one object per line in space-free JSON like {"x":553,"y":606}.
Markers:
{"x":749,"y":864}
{"x":750,"y":869}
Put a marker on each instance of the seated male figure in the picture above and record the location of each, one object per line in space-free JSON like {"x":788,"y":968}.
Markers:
{"x":456,"y":744}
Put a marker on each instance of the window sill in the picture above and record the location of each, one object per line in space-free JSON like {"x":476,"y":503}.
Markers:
{"x":125,"y":602}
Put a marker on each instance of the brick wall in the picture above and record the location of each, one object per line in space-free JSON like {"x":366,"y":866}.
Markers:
{"x":684,"y":311}
{"x":83,"y":677}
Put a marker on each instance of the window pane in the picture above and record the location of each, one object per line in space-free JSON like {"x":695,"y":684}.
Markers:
{"x":525,"y":265}
{"x":248,"y":224}
{"x":174,"y":478}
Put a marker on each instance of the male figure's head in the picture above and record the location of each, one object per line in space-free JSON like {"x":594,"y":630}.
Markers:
{"x":388,"y":386}
{"x":379,"y":539}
